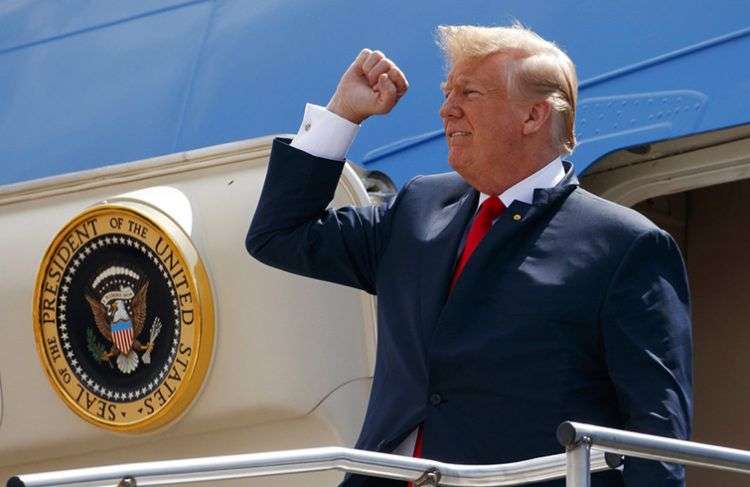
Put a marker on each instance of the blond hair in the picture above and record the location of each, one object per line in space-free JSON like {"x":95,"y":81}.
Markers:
{"x":539,"y":69}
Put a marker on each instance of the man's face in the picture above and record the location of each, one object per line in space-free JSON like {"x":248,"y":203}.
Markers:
{"x":483,"y":125}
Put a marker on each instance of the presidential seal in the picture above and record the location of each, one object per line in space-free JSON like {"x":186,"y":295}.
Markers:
{"x":123,"y":317}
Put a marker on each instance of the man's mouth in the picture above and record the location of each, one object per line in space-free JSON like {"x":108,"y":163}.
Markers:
{"x":458,"y":133}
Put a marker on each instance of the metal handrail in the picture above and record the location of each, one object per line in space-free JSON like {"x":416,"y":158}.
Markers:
{"x":308,"y":460}
{"x":585,"y":446}
{"x":578,"y":438}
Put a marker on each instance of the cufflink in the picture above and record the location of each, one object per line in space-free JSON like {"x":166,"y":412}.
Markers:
{"x":517,"y":216}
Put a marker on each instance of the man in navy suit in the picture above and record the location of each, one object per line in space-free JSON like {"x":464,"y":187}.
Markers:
{"x":509,"y":299}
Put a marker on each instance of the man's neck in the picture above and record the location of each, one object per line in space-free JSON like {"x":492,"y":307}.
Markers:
{"x":547,"y":176}
{"x":513,"y":170}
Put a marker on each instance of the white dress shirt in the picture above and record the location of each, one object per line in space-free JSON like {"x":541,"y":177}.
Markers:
{"x":325,"y":134}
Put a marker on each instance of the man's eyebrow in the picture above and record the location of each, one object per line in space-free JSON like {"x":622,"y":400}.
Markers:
{"x":451,"y":82}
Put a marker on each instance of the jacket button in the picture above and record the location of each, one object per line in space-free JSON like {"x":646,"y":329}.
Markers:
{"x":435,"y":399}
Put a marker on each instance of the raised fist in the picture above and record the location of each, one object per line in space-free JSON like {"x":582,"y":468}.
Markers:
{"x":373,"y":84}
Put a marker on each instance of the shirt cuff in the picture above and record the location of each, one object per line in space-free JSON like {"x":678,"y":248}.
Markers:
{"x":324,"y":134}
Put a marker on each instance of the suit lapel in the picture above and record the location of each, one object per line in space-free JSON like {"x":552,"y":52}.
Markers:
{"x":511,"y":223}
{"x":518,"y":219}
{"x":446,"y":227}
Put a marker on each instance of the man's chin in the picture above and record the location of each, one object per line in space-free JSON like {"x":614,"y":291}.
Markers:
{"x":459,"y":164}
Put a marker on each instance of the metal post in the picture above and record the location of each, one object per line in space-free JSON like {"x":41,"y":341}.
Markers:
{"x":578,"y":464}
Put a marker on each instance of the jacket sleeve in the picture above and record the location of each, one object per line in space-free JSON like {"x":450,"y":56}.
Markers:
{"x":292,"y":229}
{"x":646,"y":333}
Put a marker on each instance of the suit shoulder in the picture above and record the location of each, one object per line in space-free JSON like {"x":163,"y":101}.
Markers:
{"x":448,"y":181}
{"x":592,"y":210}
{"x":427,"y":193}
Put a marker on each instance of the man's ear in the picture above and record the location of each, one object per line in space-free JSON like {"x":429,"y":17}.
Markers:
{"x":536,"y":117}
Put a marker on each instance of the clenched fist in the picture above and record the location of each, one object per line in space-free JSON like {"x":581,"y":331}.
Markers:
{"x":373,"y":84}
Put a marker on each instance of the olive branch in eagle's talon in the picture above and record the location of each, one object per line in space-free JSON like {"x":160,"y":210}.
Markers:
{"x":96,"y":348}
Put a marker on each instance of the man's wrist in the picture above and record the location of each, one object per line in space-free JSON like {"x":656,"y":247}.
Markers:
{"x":341,"y":109}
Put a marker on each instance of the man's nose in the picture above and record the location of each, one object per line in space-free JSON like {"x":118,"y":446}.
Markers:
{"x":449,"y":108}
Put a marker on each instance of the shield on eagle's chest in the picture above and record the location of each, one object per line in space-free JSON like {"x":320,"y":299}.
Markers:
{"x":122,"y":335}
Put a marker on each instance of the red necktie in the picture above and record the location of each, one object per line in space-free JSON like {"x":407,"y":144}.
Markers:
{"x":417,"y":448}
{"x":488,"y":213}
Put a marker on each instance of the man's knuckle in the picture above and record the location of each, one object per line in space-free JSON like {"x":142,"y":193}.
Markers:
{"x":362,"y":56}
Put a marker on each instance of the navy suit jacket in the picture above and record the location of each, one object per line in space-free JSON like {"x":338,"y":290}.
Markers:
{"x":571,"y":308}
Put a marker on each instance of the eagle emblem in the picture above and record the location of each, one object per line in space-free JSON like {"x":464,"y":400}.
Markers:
{"x":120,"y":316}
{"x":123,"y":316}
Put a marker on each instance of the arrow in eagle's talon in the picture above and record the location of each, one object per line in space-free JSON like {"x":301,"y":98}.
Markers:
{"x":146,"y":357}
{"x":155,"y":329}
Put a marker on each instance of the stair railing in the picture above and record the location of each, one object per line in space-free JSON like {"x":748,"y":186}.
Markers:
{"x":589,"y":449}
